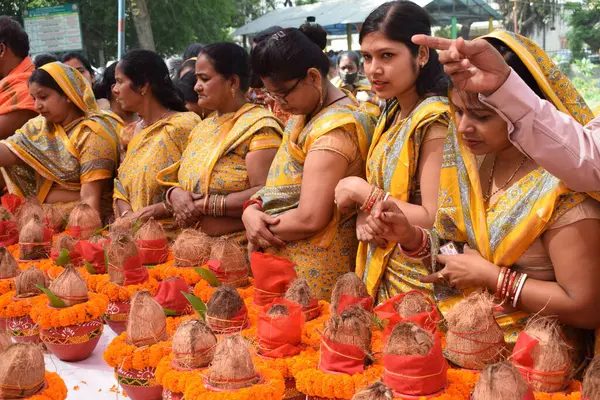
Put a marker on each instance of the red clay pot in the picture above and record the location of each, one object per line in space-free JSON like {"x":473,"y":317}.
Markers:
{"x":74,"y":342}
{"x":291,"y":393}
{"x":116,"y":316}
{"x":139,"y":384}
{"x":23,"y":330}
{"x":168,"y":395}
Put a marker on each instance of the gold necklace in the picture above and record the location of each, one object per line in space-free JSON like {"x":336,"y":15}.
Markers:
{"x":145,"y":125}
{"x":487,"y":197}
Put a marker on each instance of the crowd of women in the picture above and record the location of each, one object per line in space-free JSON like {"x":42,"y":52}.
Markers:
{"x":374,"y":177}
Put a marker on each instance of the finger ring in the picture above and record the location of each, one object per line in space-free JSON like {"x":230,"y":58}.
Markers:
{"x":335,"y":202}
{"x":440,"y":276}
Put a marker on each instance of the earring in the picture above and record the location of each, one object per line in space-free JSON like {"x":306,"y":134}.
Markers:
{"x":232,"y":93}
{"x":320,"y":96}
{"x":143,"y":93}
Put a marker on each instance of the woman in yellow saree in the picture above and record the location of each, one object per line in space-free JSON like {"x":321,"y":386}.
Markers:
{"x":405,"y":157}
{"x":517,"y":220}
{"x":327,"y":139}
{"x":349,"y":77}
{"x":69,"y":153}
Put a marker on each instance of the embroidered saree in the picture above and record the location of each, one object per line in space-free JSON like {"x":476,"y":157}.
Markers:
{"x":329,"y":254}
{"x":14,"y":89}
{"x":64,"y":156}
{"x":392,"y":165}
{"x":505,"y":230}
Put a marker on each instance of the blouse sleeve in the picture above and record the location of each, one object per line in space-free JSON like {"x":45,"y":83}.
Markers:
{"x":98,"y":155}
{"x":264,"y":139}
{"x":338,"y":141}
{"x":588,"y":209}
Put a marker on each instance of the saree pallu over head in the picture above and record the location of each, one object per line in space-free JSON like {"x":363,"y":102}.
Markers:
{"x":392,"y":165}
{"x":503,"y":232}
{"x":69,"y":156}
{"x":14,"y":89}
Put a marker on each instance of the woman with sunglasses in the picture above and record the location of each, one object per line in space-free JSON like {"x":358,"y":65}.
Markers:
{"x":327,"y":139}
{"x":229,"y":153}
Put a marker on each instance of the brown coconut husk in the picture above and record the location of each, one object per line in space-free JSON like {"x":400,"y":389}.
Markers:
{"x":5,"y":340}
{"x":151,"y":230}
{"x":64,"y":242}
{"x":278,"y":310}
{"x":193,"y":345}
{"x":377,"y":391}
{"x":408,"y":339}
{"x":551,"y":356}
{"x":55,"y":216}
{"x":9,"y":268}
{"x":500,"y":381}
{"x":474,"y":333}
{"x":591,"y":381}
{"x":96,"y":238}
{"x":299,"y":292}
{"x":233,"y":261}
{"x":22,"y":371}
{"x":27,"y":280}
{"x":147,"y":324}
{"x":31,"y":234}
{"x":30,"y":208}
{"x":192,"y":248}
{"x":120,"y":248}
{"x":352,"y":326}
{"x":224,"y":304}
{"x":412,"y":304}
{"x":348,"y":284}
{"x":86,"y":218}
{"x":232,"y":366}
{"x":5,"y":215}
{"x":70,"y":287}
{"x":122,"y":226}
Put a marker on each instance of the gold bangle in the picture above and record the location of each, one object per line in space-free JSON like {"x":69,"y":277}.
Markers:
{"x":124,"y":213}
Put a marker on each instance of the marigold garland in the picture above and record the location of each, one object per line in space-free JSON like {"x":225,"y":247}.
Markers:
{"x":14,"y":308}
{"x":573,"y":392}
{"x":169,"y":270}
{"x":290,"y":366}
{"x":314,"y":382}
{"x":127,"y":356}
{"x":172,"y":379}
{"x":55,"y":388}
{"x":119,"y":294}
{"x":48,"y":317}
{"x":7,"y":285}
{"x":204,"y":291}
{"x":271,"y":388}
{"x":174,"y":322}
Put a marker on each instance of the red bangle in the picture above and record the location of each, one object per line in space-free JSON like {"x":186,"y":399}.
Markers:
{"x":500,"y":282}
{"x":250,"y":202}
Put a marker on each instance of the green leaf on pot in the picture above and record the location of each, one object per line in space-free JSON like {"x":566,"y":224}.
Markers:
{"x":170,"y":313}
{"x":379,"y":323}
{"x":90,"y":268}
{"x":55,"y":301}
{"x":64,"y":258}
{"x":208,"y":277}
{"x":136,"y":226}
{"x":197,"y":304}
{"x":99,"y":231}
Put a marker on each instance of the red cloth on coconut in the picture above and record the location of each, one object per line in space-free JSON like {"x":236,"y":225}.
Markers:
{"x":522,"y":359}
{"x":227,"y":277}
{"x":313,"y":310}
{"x":416,"y":375}
{"x":133,"y":270}
{"x":11,"y":202}
{"x":169,"y":295}
{"x":349,"y":301}
{"x":233,"y":325}
{"x":338,"y":357}
{"x":272,"y":276}
{"x":426,"y":320}
{"x":93,"y":253}
{"x":75,"y":257}
{"x":280,"y":337}
{"x":530,"y":396}
{"x":153,"y":252}
{"x":9,"y":234}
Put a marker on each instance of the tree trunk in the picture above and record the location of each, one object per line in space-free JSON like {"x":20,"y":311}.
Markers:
{"x":465,"y":29}
{"x":142,"y":23}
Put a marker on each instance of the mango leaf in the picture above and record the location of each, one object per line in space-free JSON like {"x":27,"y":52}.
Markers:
{"x":136,"y":226}
{"x":197,"y":304}
{"x":170,"y":313}
{"x":378,"y":322}
{"x":64,"y":258}
{"x":54,"y":300}
{"x":90,"y":268}
{"x":99,"y":231}
{"x":208,"y":277}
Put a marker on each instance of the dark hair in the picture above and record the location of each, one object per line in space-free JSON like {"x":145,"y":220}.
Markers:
{"x":315,"y":32}
{"x":188,"y":64}
{"x":192,"y":51}
{"x":14,"y":36}
{"x":352,"y":55}
{"x":43,"y":78}
{"x":400,"y":21}
{"x":265,"y":34}
{"x":186,"y":87}
{"x":289,"y":54}
{"x":517,"y":65}
{"x":229,"y":59}
{"x":86,"y":63}
{"x":42,"y":59}
{"x":145,"y":66}
{"x":103,"y":88}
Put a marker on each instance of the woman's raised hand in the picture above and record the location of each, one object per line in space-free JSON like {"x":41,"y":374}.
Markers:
{"x":257,"y":224}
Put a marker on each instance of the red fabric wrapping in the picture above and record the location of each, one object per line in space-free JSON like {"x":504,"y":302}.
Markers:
{"x":530,"y":396}
{"x":521,"y":354}
{"x":272,"y":276}
{"x":11,"y":203}
{"x":93,"y":253}
{"x":75,"y":231}
{"x":169,"y":295}
{"x":48,"y":235}
{"x":9,"y":234}
{"x":234,"y":325}
{"x":426,"y":320}
{"x":75,"y":257}
{"x":227,"y":277}
{"x":416,"y":375}
{"x":338,"y":357}
{"x":349,"y":301}
{"x":313,"y":310}
{"x":153,"y":252}
{"x":133,"y":270}
{"x":280,"y":337}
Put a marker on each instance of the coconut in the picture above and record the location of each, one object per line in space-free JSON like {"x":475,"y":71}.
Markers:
{"x":86,"y":219}
{"x":31,"y":240}
{"x":64,"y":242}
{"x":5,"y":215}
{"x":9,"y":268}
{"x":5,"y":340}
{"x":474,"y":338}
{"x":299,"y":292}
{"x":30,"y":208}
{"x":413,"y":303}
{"x":191,"y":248}
{"x":120,"y":248}
{"x":377,"y":391}
{"x":151,"y":230}
{"x":55,"y":216}
{"x":22,"y":371}
{"x":278,"y":310}
{"x":591,"y":381}
{"x":233,"y":262}
{"x":551,"y":357}
{"x":352,"y":326}
{"x":232,"y":366}
{"x":27,"y":280}
{"x":96,"y":238}
{"x":70,"y":287}
{"x":408,"y":339}
{"x":193,"y":345}
{"x":147,"y":324}
{"x":223,"y":306}
{"x":500,"y":381}
{"x":348,"y":284}
{"x":122,"y":226}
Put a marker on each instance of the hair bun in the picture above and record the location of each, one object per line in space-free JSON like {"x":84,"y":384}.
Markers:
{"x":316,"y":33}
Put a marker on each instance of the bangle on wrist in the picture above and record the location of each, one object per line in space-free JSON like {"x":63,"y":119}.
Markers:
{"x":124,"y":213}
{"x":250,"y":202}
